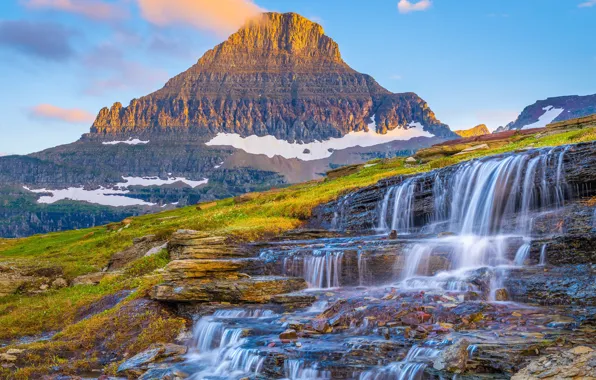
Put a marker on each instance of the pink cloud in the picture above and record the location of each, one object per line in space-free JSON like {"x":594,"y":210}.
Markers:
{"x":405,"y":6}
{"x":93,"y":9}
{"x":221,"y":16}
{"x":54,"y":113}
{"x":587,"y":4}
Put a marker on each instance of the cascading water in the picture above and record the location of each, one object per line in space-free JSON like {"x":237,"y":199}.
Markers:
{"x":411,"y":368}
{"x":400,"y":198}
{"x":321,"y":269}
{"x":299,"y":370}
{"x":217,"y":344}
{"x":487,"y":203}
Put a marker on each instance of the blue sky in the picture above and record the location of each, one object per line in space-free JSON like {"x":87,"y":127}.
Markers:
{"x":473,"y":61}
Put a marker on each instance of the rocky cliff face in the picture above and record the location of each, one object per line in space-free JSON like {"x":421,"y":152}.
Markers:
{"x":279,"y":75}
{"x":551,"y":110}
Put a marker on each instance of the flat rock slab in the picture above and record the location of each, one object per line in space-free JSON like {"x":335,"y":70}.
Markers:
{"x":212,"y":269}
{"x":248,"y":290}
{"x":189,"y":244}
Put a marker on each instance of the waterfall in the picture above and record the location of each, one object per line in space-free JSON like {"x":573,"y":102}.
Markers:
{"x":320,"y":269}
{"x":481,"y":197}
{"x":402,"y":197}
{"x":362,"y":269}
{"x":411,"y":368}
{"x":543,"y":255}
{"x":218,"y":343}
{"x":299,"y":370}
{"x":487,"y":203}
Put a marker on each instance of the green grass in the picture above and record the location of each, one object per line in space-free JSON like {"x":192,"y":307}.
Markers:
{"x":256,"y":216}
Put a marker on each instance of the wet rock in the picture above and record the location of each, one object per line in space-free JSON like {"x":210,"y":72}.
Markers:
{"x":454,"y":358}
{"x":288,"y":335}
{"x":294,"y":299}
{"x":501,"y":295}
{"x":163,"y":374}
{"x":258,"y":289}
{"x":321,"y":325}
{"x":393,"y":234}
{"x":136,"y":365}
{"x":577,"y":363}
{"x":563,"y":285}
{"x":105,"y":303}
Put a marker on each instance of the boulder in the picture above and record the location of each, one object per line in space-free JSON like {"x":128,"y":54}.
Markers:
{"x":501,"y":295}
{"x":454,"y":358}
{"x":139,"y":363}
{"x":59,"y":283}
{"x":288,"y":335}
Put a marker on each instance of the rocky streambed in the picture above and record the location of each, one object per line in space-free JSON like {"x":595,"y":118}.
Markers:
{"x":484,"y":270}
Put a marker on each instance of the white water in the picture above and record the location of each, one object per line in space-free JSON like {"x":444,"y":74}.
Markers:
{"x":411,"y":368}
{"x":321,"y":269}
{"x":299,"y":370}
{"x":218,"y":344}
{"x":487,"y":203}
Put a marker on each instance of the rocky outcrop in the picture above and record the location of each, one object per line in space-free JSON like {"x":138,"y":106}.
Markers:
{"x":279,"y":75}
{"x":576,"y":363}
{"x":479,"y":130}
{"x":209,"y":268}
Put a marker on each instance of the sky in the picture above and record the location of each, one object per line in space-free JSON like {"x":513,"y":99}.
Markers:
{"x":473,"y":61}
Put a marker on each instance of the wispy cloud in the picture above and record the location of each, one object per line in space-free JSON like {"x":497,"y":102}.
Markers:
{"x":50,"y":112}
{"x":406,"y":6}
{"x":112,"y":71}
{"x":587,"y":4}
{"x":93,"y":9}
{"x":221,"y":16}
{"x":395,"y":77}
{"x":46,"y":40}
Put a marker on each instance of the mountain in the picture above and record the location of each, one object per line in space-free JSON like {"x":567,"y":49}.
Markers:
{"x":279,"y":75}
{"x":478,"y":130}
{"x":274,"y":104}
{"x":551,"y":110}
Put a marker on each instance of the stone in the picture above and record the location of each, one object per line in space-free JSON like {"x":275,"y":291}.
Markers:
{"x":393,"y":235}
{"x":411,"y":160}
{"x":7,"y":358}
{"x":142,"y":246}
{"x":15,"y":351}
{"x":580,"y":350}
{"x":189,"y":244}
{"x":259,"y":289}
{"x":288,"y":335}
{"x":140,"y":362}
{"x":213,"y":269}
{"x":454,"y":358}
{"x":59,"y":283}
{"x":89,"y":279}
{"x":321,"y":325}
{"x":501,"y":295}
{"x":576,"y":363}
{"x":473,"y":149}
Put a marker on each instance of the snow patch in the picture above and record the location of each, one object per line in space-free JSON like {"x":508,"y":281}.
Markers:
{"x":130,"y":141}
{"x":101,"y":196}
{"x":271,"y":146}
{"x":550,"y":114}
{"x":156,"y":181}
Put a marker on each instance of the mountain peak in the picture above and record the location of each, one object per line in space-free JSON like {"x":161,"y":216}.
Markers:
{"x":278,"y":75}
{"x":279,"y":41}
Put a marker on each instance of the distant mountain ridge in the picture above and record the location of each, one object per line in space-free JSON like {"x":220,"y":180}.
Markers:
{"x":478,"y":130}
{"x":279,"y":75}
{"x":551,"y":110}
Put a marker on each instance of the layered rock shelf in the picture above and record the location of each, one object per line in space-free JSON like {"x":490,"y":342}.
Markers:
{"x":207,"y":268}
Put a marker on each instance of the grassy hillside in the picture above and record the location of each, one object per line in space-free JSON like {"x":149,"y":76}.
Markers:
{"x":250,"y":217}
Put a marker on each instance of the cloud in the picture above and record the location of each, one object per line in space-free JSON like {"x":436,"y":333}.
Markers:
{"x":111,"y":71}
{"x":53,"y":113}
{"x":93,"y":9}
{"x":395,"y":77}
{"x":587,"y":4}
{"x":221,"y":16}
{"x":406,"y":6}
{"x":41,"y":39}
